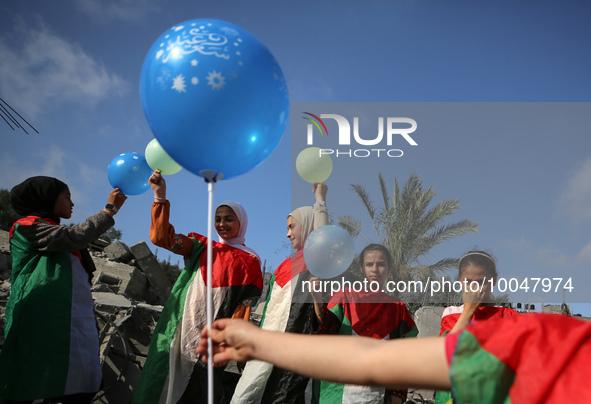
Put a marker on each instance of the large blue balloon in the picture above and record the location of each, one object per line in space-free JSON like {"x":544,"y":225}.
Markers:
{"x":328,"y":251}
{"x":214,"y":97}
{"x":130,"y":172}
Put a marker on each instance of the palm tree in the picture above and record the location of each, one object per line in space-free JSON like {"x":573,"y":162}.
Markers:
{"x":409,"y":228}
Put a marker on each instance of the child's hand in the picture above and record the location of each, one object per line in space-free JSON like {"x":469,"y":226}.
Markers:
{"x":315,"y":287}
{"x":473,"y":299}
{"x":232,"y":339}
{"x":320,"y":189}
{"x":117,"y":198}
{"x":158,"y":184}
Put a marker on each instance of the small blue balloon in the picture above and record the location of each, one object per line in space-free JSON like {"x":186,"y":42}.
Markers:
{"x":130,"y":173}
{"x":214,"y":97}
{"x":328,"y":251}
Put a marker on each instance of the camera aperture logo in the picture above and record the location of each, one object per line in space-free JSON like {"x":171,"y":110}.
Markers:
{"x":391,"y":126}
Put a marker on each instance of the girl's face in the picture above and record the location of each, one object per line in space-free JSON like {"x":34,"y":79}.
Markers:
{"x":375,"y":267}
{"x":226,"y":222}
{"x":294,"y":233}
{"x":63,"y":205}
{"x":474,"y":273}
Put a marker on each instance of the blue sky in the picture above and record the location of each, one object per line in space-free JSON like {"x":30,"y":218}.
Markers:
{"x":73,"y":71}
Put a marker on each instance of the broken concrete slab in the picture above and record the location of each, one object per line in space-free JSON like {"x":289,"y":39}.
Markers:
{"x":110,"y":302}
{"x":98,"y":245}
{"x":149,"y":265}
{"x":118,"y":252}
{"x":428,"y":320}
{"x":121,"y":278}
{"x":4,"y":236}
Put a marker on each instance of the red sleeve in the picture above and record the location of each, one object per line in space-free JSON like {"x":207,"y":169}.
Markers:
{"x":447,"y":323}
{"x":451,"y":341}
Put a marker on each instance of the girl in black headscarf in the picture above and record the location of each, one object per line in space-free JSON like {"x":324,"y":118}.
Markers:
{"x":52,"y":348}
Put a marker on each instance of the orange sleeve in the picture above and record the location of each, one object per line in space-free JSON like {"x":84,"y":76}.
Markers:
{"x":162,"y":232}
{"x":242,"y":311}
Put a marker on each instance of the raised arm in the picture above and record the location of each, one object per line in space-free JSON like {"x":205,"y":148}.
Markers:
{"x":162,"y":232}
{"x":472,"y":301}
{"x":399,"y":363}
{"x":46,"y":237}
{"x":320,"y":211}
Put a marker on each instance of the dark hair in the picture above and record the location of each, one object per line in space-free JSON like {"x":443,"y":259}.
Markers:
{"x":375,"y":247}
{"x":479,"y":259}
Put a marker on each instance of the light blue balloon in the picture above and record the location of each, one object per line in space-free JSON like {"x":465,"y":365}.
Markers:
{"x":214,"y":97}
{"x":130,"y":172}
{"x":328,"y":251}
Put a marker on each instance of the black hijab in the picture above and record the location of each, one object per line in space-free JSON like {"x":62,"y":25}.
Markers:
{"x":36,"y":196}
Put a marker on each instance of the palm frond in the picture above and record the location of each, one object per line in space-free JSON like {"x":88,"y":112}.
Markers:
{"x":443,"y":265}
{"x":384,"y":190}
{"x":364,"y":196}
{"x":351,"y":224}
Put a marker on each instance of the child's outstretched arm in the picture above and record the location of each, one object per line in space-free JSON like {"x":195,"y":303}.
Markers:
{"x":46,"y":237}
{"x":399,"y":363}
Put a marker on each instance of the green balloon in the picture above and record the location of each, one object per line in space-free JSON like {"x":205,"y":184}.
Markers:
{"x":158,"y":159}
{"x":313,"y":166}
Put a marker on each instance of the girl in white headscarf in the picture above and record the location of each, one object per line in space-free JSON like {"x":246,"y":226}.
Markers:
{"x":288,"y":308}
{"x":173,"y":372}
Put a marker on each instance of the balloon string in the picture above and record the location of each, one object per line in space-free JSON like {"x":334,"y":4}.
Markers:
{"x":208,"y":294}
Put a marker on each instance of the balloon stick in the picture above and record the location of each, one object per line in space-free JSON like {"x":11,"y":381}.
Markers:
{"x":208,"y":294}
{"x":210,"y":177}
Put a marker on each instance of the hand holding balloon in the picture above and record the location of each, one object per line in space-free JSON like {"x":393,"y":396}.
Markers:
{"x":117,"y":199}
{"x":320,"y":189}
{"x":158,"y":185}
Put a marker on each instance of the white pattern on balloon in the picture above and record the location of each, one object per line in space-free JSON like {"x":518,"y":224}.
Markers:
{"x":197,"y":40}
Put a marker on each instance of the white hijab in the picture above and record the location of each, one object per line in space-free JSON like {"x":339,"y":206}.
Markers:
{"x":238,"y":241}
{"x":305,"y":217}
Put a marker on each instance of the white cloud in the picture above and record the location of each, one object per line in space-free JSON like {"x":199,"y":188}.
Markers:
{"x":552,"y":256}
{"x":54,"y":162}
{"x":585,"y":254}
{"x":125,"y":10}
{"x":575,"y":200}
{"x":39,"y":71}
{"x":521,"y":244}
{"x":543,"y":254}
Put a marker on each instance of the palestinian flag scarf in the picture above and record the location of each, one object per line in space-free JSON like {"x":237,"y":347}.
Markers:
{"x":167,"y":374}
{"x":289,"y":308}
{"x":452,"y":314}
{"x":531,"y":358}
{"x":366,"y":314}
{"x":52,"y":346}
